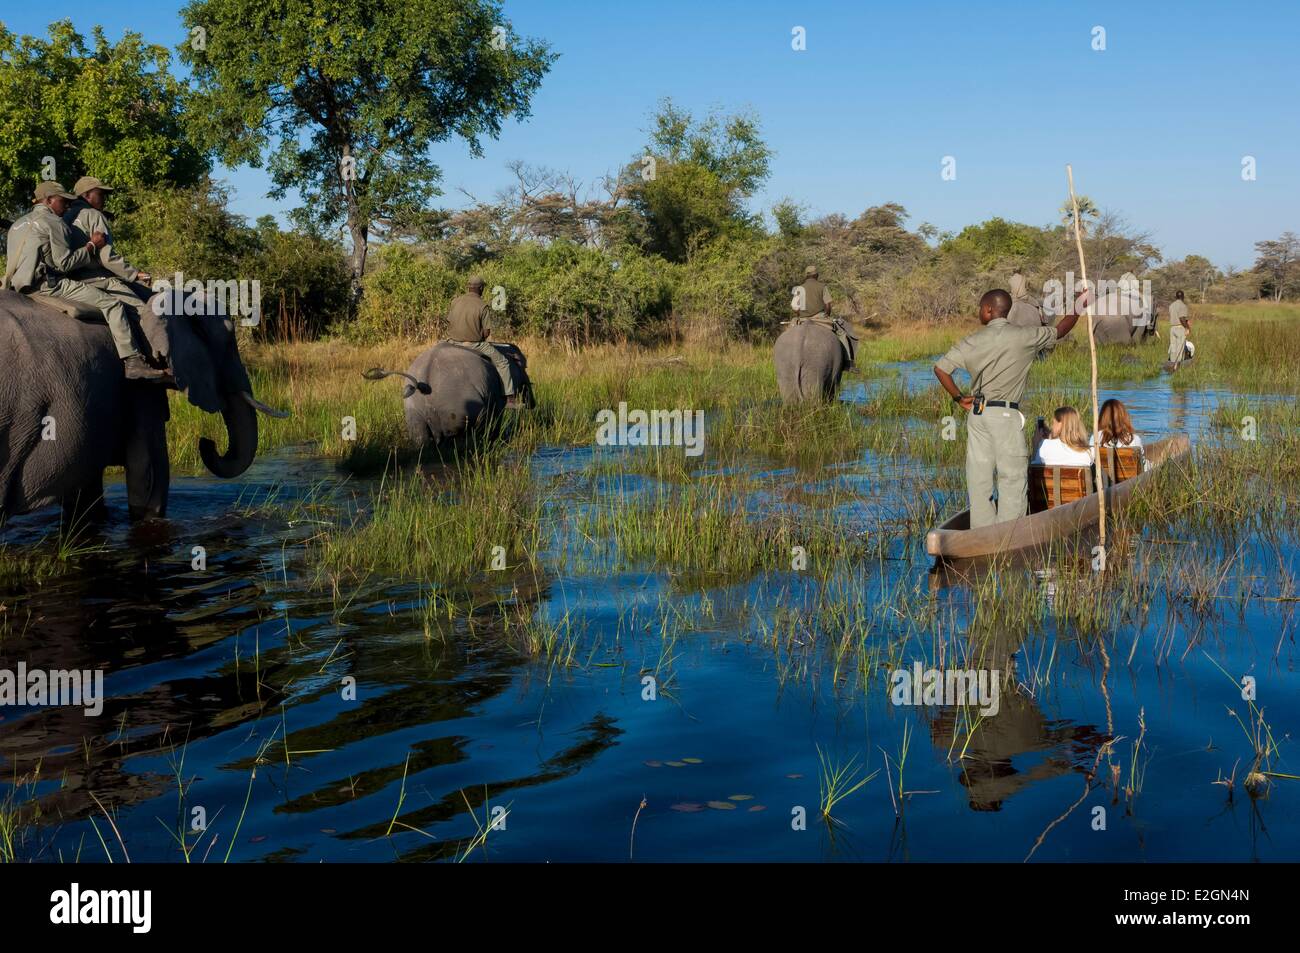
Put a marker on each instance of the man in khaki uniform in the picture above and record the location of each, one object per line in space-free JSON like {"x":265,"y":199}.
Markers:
{"x":812,"y":302}
{"x":1026,"y":310}
{"x":43,"y":252}
{"x":1179,"y":327}
{"x":86,"y":215}
{"x":997,"y":357}
{"x":469,"y":322}
{"x":815,"y":300}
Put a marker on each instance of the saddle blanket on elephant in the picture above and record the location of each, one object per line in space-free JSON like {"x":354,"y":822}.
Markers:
{"x":848,"y":340}
{"x":509,"y":361}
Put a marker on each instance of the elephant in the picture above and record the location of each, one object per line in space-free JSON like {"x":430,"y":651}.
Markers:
{"x":809,"y":362}
{"x":67,"y":411}
{"x":452,"y":390}
{"x":1118,"y":314}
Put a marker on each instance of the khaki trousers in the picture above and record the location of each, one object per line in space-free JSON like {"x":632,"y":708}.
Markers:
{"x":499,"y":361}
{"x":996,"y":456}
{"x":1177,"y":343}
{"x":112,"y":296}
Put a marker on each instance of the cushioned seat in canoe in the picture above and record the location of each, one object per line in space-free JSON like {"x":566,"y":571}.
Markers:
{"x":1056,"y":486}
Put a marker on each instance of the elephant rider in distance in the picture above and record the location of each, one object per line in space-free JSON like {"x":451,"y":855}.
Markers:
{"x":812,"y":302}
{"x":43,"y":254}
{"x":469,"y":324}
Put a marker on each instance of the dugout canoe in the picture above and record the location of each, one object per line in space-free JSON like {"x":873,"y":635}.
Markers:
{"x":955,"y":539}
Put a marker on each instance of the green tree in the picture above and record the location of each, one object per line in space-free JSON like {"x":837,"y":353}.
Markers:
{"x":788,"y":216}
{"x":997,"y":241}
{"x":690,"y":185}
{"x":344,"y":102}
{"x":731,"y":147}
{"x":112,"y":110}
{"x":1279,"y":262}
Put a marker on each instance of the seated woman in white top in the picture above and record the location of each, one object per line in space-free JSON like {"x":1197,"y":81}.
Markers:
{"x":1115,"y":428}
{"x":1065,"y":444}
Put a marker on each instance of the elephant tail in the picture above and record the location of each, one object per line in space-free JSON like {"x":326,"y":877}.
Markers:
{"x":414,"y":384}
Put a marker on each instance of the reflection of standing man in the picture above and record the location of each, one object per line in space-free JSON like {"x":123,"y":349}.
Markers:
{"x":1180,"y":326}
{"x":1003,"y":754}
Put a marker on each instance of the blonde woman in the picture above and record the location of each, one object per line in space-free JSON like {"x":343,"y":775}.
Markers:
{"x":1065,"y":443}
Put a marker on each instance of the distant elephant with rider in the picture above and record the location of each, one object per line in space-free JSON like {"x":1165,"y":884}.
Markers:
{"x":453,"y":390}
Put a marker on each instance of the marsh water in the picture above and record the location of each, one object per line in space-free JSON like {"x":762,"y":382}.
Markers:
{"x":226,"y":693}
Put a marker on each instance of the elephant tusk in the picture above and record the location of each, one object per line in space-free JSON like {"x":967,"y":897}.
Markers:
{"x":258,"y":405}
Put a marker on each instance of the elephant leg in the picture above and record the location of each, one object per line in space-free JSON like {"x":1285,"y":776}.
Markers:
{"x":83,"y":505}
{"x":148,"y":469}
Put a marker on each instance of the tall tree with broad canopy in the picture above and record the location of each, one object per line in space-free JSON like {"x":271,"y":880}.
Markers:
{"x":111,"y":110}
{"x":344,"y":101}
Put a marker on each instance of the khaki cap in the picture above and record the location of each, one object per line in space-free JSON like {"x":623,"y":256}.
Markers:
{"x":811,"y":271}
{"x":46,"y":189}
{"x":88,"y":182}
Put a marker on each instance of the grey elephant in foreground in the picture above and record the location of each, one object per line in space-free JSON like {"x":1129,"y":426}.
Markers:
{"x":809,"y":362}
{"x":67,"y":411}
{"x":452,"y":390}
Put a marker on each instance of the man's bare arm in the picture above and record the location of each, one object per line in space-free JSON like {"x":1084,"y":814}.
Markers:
{"x":948,"y":384}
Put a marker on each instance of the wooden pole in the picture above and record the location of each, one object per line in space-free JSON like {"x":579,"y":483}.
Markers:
{"x":1092,"y":349}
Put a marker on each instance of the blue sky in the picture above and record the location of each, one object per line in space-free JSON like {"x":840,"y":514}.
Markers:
{"x":1156,"y":125}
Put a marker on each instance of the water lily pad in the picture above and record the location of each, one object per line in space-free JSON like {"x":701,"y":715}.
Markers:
{"x":758,"y":807}
{"x":794,"y":776}
{"x":676,"y":764}
{"x":687,"y":807}
{"x":722,"y":805}
{"x":740,"y":797}
{"x":692,"y":760}
{"x":654,"y":764}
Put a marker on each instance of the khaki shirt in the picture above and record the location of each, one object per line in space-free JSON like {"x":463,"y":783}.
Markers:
{"x":469,"y":318}
{"x":42,"y":250}
{"x":1177,"y":312}
{"x":816,"y":299}
{"x":1025,"y":314}
{"x":85,"y":220}
{"x":998,"y":357}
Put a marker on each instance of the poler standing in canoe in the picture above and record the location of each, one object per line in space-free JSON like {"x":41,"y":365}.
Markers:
{"x":997,"y":357}
{"x":1179,"y":327}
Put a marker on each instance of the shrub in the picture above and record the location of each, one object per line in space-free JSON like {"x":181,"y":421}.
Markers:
{"x":579,"y":294}
{"x":406,"y":294}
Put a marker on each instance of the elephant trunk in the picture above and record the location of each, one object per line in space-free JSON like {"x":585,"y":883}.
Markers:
{"x":241,"y":436}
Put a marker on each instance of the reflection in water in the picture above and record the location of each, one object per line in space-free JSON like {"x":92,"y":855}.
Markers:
{"x":992,"y":752}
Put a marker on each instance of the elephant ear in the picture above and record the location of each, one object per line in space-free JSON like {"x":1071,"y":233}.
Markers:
{"x":176,"y":337}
